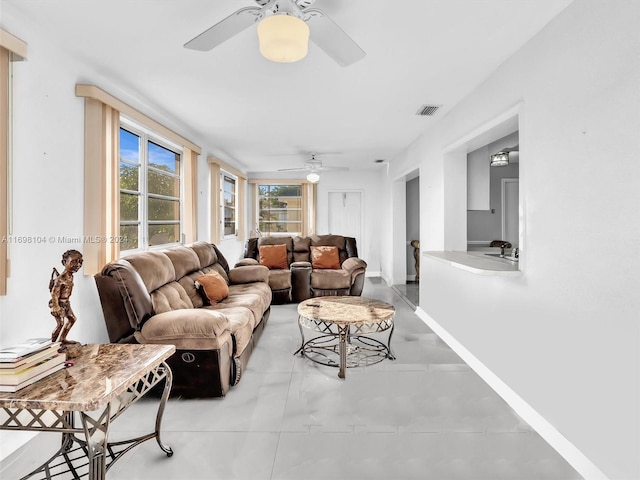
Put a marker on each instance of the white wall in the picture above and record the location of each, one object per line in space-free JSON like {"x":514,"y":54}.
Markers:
{"x":565,"y":337}
{"x":47,"y":200}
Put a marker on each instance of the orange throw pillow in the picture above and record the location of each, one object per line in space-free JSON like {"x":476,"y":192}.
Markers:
{"x":325,"y":257}
{"x":214,"y":286}
{"x":273,"y":256}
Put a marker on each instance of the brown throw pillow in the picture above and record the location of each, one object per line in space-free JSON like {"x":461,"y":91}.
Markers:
{"x":273,"y":256}
{"x":325,"y":257}
{"x":214,"y":287}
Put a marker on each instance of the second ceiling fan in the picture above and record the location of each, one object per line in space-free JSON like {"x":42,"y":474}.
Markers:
{"x":282,"y":26}
{"x":314,"y":167}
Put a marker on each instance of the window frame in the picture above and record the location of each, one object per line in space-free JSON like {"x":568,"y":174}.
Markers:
{"x":223,"y":206}
{"x":308,"y":209}
{"x":12,"y":49}
{"x":216,"y":225}
{"x":147,"y":136}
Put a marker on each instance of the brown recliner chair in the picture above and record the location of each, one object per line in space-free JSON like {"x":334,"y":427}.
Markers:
{"x":301,"y":280}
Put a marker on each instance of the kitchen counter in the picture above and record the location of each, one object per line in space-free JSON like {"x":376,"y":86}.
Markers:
{"x":477,"y":262}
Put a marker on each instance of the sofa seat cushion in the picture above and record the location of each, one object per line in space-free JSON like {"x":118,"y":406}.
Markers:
{"x":241,"y":320}
{"x":324,"y":279}
{"x":171,"y":296}
{"x":280,"y":279}
{"x":254,"y":297}
{"x":196,"y":329}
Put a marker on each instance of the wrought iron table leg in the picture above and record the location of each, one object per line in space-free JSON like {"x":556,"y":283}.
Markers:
{"x":163,"y":401}
{"x":343,"y":333}
{"x":390,"y":355}
{"x":301,"y":349}
{"x":96,"y":435}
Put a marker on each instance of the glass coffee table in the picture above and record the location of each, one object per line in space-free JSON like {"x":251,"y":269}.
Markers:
{"x":345,"y":324}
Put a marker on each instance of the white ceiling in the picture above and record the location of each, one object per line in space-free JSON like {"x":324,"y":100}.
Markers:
{"x":265,"y":115}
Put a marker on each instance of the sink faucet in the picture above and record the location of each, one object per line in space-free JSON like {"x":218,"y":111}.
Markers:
{"x":502,"y":244}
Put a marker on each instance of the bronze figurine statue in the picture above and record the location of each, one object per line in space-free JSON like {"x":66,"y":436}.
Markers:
{"x":61,"y":286}
{"x":416,"y":255}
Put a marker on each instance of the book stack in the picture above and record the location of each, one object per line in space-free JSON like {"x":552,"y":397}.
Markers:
{"x":28,"y":362}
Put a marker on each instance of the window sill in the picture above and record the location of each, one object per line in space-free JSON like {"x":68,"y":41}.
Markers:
{"x":477,"y":263}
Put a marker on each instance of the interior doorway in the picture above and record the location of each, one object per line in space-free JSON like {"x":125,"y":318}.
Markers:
{"x":510,"y":212}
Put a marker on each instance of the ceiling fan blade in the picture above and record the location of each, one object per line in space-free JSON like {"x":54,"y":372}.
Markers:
{"x":327,"y":35}
{"x":334,"y":168}
{"x":300,"y":169}
{"x":224,"y":29}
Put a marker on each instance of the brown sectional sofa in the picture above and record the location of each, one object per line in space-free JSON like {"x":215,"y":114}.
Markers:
{"x":300,"y":280}
{"x":152,"y":297}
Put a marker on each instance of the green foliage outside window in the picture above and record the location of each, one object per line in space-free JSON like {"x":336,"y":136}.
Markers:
{"x":280,"y":208}
{"x":162,"y":192}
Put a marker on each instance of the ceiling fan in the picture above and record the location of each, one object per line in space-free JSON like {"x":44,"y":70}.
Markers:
{"x":313,"y":166}
{"x":323,"y":31}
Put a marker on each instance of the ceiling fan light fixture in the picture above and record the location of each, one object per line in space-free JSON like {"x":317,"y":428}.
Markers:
{"x":313,"y":177}
{"x":283,"y":38}
{"x":500,"y":159}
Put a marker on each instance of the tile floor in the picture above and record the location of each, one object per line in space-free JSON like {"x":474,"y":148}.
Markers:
{"x":426,"y":415}
{"x":410,"y":292}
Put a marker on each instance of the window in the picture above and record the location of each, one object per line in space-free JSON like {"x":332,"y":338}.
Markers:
{"x":227,"y":206}
{"x":280,"y":209}
{"x":166,"y":188}
{"x":12,"y":49}
{"x":284,"y":208}
{"x":150,"y":201}
{"x":228,"y":203}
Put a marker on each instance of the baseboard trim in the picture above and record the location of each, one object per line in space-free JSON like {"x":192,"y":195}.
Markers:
{"x":546,"y":430}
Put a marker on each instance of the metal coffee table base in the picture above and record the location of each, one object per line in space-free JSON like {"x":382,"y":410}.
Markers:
{"x":345,"y":351}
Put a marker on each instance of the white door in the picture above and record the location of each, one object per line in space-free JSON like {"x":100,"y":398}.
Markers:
{"x":510,"y":210}
{"x":345,"y":215}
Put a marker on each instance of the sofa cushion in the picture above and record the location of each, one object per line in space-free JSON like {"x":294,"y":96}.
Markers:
{"x":273,"y":256}
{"x":188,"y":282}
{"x":154,"y":267}
{"x":301,"y":249}
{"x":217,"y":268}
{"x":171,"y":296}
{"x":255,"y":297}
{"x":184,"y":260}
{"x":325,"y":257}
{"x":324,"y":279}
{"x":214,"y":287}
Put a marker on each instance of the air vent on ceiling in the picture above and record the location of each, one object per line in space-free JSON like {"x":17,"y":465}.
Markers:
{"x":428,"y":110}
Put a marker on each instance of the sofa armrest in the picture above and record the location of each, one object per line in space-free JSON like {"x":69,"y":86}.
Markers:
{"x":249,"y":274}
{"x":300,"y":281}
{"x":297,"y":265}
{"x":246,"y":262}
{"x":354,"y":265}
{"x":187,"y":329}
